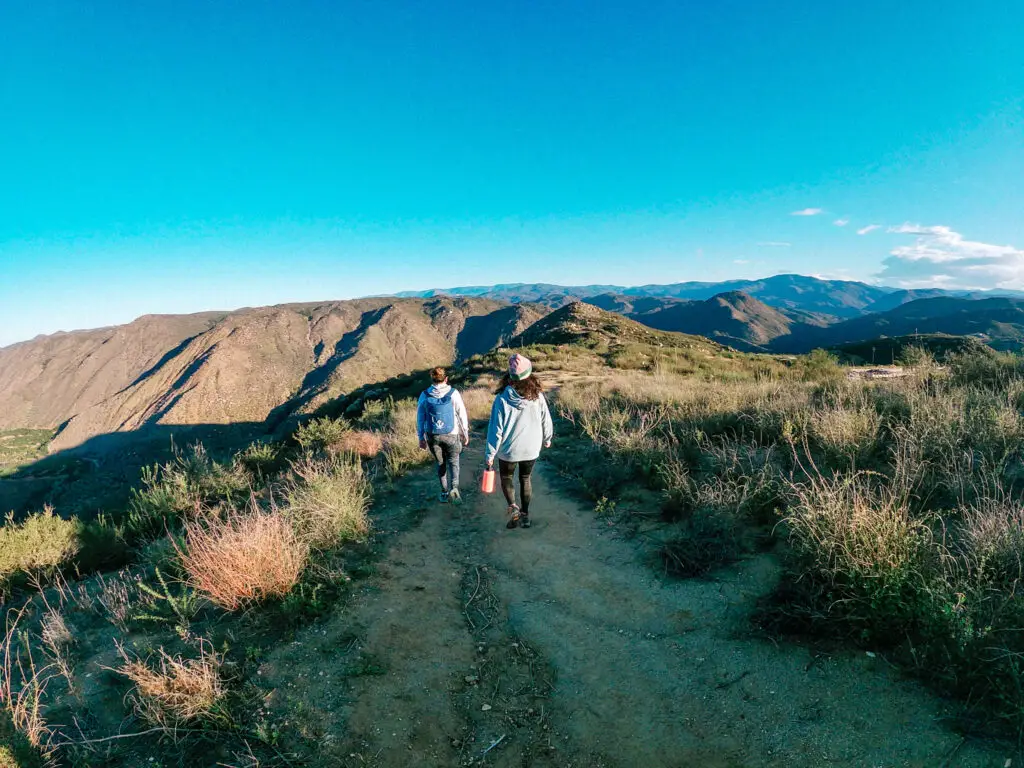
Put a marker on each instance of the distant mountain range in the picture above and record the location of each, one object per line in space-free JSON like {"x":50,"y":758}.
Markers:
{"x":839,"y":299}
{"x":785,"y":313}
{"x":265,"y":365}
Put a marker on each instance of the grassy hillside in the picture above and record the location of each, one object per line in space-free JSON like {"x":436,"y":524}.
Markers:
{"x":892,"y":506}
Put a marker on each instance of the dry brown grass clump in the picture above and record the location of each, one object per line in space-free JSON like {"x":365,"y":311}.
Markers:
{"x":177,"y":691}
{"x":360,"y":442}
{"x":478,"y":400}
{"x":327,"y":501}
{"x":243,"y":557}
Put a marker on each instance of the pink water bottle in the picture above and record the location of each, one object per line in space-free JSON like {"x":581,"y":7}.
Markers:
{"x":487,"y":482}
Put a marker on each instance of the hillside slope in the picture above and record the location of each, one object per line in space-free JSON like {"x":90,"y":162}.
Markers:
{"x":998,"y":321}
{"x":219,"y":368}
{"x":582,"y":323}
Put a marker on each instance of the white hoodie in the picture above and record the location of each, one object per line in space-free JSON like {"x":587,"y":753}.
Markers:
{"x":518,"y":428}
{"x":461,"y":427}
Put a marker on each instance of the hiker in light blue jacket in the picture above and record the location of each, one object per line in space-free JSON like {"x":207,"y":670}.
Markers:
{"x":520,"y":426}
{"x":443,"y":428}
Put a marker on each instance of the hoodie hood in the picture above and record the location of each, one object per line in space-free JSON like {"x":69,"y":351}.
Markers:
{"x":438,"y":390}
{"x":516,"y":400}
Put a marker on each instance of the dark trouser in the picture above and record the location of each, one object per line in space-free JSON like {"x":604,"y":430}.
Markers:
{"x":508,"y":471}
{"x":446,"y":450}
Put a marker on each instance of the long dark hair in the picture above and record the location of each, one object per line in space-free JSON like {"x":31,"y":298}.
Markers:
{"x":529,"y":388}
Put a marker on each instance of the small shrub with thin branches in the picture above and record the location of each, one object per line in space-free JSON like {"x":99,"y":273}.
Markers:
{"x":323,"y":434}
{"x":181,"y":486}
{"x":36,"y":547}
{"x":24,"y":679}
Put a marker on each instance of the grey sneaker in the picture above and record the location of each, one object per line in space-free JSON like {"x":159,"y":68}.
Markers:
{"x":513,"y":517}
{"x":443,"y":498}
{"x":524,"y":520}
{"x":455,"y":497}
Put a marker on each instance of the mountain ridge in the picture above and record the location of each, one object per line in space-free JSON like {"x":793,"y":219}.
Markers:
{"x":218,"y":368}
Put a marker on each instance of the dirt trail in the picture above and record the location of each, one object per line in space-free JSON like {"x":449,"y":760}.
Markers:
{"x":560,"y":646}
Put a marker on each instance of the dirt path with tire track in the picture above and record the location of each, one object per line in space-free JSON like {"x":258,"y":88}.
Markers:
{"x":560,"y":646}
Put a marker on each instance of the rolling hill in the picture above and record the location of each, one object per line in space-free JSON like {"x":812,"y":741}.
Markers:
{"x":839,"y":298}
{"x":731,"y":318}
{"x":999,"y":321}
{"x":823,"y":299}
{"x":585,"y":324}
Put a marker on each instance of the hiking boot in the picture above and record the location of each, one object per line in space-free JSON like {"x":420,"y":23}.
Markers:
{"x":524,"y":520}
{"x":443,"y":498}
{"x":454,"y":496}
{"x":513,"y":517}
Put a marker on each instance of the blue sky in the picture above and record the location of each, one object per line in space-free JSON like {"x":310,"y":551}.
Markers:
{"x":185,"y":155}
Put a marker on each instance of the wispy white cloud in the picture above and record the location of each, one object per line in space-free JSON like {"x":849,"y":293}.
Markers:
{"x":740,"y":261}
{"x":808,"y":212}
{"x":841,"y":222}
{"x":774,"y":244}
{"x":868,"y":228}
{"x":941,"y":257}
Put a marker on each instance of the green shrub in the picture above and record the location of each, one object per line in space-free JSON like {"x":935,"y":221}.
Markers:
{"x":395,"y":421}
{"x":318,"y":435}
{"x":327,"y":501}
{"x":182,"y":486}
{"x":820,"y":365}
{"x":38,"y":546}
{"x":261,"y":459}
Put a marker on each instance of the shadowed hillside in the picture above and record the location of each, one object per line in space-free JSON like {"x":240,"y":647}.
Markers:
{"x":219,"y":368}
{"x":999,"y":321}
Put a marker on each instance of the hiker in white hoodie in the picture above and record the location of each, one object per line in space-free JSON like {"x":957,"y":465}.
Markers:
{"x":520,"y":426}
{"x":443,"y":428}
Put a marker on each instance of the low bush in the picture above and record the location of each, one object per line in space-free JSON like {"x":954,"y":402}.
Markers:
{"x":183,"y":485}
{"x":40,"y":545}
{"x":321,"y":435}
{"x":395,"y":422}
{"x":242,"y":557}
{"x":327,"y":501}
{"x":261,"y":459}
{"x":708,"y":538}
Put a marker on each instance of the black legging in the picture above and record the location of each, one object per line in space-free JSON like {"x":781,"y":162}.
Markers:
{"x":508,"y":471}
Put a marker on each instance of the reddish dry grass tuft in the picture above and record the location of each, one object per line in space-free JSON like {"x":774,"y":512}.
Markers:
{"x":361,"y":443}
{"x":243,"y":557}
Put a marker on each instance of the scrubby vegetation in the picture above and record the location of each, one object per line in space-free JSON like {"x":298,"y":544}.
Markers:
{"x":327,"y":501}
{"x":36,"y":547}
{"x":895,"y":504}
{"x":19,"y":447}
{"x":211,"y":551}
